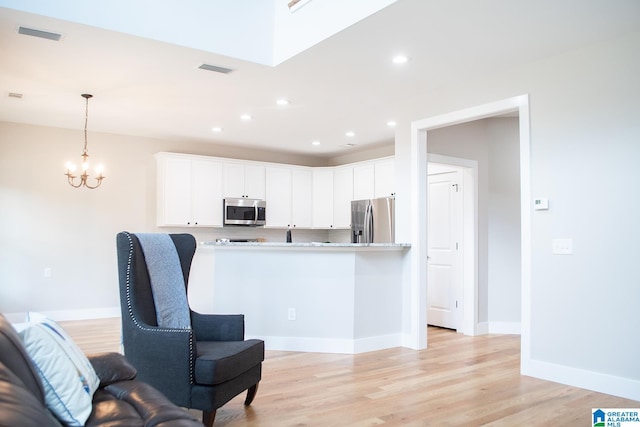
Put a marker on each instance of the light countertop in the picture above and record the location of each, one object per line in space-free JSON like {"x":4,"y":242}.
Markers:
{"x":305,"y":245}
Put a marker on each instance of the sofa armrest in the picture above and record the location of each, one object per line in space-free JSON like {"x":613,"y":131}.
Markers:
{"x":111,"y":368}
{"x":218,"y":327}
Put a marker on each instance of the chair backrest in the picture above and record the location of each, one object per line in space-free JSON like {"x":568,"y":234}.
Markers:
{"x":136,"y":296}
{"x":163,"y":357}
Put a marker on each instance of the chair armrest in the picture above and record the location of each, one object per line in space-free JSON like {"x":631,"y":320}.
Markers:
{"x":218,"y":327}
{"x":111,"y":368}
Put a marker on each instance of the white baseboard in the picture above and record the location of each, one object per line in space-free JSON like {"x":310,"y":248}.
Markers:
{"x":602,"y":383}
{"x":331,"y":345}
{"x":363,"y":345}
{"x":62,"y":315}
{"x":508,"y":328}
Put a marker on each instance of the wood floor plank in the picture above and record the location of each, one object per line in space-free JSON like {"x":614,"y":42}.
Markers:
{"x":457,"y":381}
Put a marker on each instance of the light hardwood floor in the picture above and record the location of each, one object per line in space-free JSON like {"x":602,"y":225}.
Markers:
{"x":458,"y":380}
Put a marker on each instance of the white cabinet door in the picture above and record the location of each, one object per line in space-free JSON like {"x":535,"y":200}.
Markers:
{"x":244,"y":180}
{"x":254,"y":181}
{"x":174,"y":192}
{"x":189,"y":192}
{"x":322,"y":198}
{"x":233,"y":180}
{"x":301,"y":194}
{"x":206,"y":193}
{"x":342,"y":196}
{"x":384,"y":178}
{"x":363,"y":182}
{"x":278,"y":196}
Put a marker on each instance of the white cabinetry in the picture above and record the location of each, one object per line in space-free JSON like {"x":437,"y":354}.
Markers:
{"x":322,"y":198}
{"x":363,"y":181}
{"x":189,"y":191}
{"x":278,"y":196}
{"x":301,"y":193}
{"x":244,"y":180}
{"x":288,"y":195}
{"x":342,"y":196}
{"x":372,"y":179}
{"x":384,"y":178}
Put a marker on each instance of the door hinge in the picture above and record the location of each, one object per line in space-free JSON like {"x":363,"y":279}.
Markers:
{"x":456,"y":187}
{"x":456,"y":303}
{"x":456,"y":246}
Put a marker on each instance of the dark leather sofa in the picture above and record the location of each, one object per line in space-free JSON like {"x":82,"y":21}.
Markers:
{"x":121,"y":399}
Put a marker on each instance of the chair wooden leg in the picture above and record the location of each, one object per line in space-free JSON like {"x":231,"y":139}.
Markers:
{"x":251,"y":393}
{"x":208,"y":418}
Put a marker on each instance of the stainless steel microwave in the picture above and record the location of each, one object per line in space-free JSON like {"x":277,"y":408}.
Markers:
{"x":242,"y":211}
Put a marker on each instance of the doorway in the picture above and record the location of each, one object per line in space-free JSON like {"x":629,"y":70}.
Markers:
{"x":419,"y":218}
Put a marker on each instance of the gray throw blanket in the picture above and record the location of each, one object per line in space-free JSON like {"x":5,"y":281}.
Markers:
{"x":167,"y":281}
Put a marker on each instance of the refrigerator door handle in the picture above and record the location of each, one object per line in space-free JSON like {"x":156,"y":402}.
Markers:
{"x":368,"y":224}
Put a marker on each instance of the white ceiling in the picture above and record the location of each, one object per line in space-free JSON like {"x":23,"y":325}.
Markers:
{"x":347,"y":82}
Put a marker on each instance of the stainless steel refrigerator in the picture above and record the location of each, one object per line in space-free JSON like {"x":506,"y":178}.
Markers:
{"x":373,"y":220}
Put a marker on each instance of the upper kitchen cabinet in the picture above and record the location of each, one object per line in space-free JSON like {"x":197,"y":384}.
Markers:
{"x":363,"y":181}
{"x":301,"y":197}
{"x":278,"y":196}
{"x":384,"y":178}
{"x":189,"y":191}
{"x":373,"y":179}
{"x":288,"y":195}
{"x":342,"y":196}
{"x":244,"y":180}
{"x":322,"y":215}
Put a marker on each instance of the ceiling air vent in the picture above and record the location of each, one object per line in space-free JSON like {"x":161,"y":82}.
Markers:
{"x":215,"y":68}
{"x":39,"y":33}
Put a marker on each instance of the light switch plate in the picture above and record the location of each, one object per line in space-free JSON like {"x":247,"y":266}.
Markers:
{"x":541,"y":204}
{"x":562,"y":246}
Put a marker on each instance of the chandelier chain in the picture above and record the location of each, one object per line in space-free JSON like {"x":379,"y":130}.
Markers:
{"x":85,"y":156}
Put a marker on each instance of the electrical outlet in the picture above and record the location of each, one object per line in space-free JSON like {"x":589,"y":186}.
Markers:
{"x":291,"y":314}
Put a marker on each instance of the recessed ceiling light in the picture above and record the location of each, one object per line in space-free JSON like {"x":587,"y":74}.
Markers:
{"x":315,"y":143}
{"x":245,"y":117}
{"x":400,"y":59}
{"x":216,"y":129}
{"x":350,"y":134}
{"x":282,"y":101}
{"x":391,"y":123}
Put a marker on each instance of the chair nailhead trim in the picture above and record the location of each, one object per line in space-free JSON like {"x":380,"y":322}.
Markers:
{"x":140,"y":326}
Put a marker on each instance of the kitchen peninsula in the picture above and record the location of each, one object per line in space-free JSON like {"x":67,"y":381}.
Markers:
{"x":319,"y":297}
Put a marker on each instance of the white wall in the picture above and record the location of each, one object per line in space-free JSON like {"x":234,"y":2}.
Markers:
{"x":503,"y":257}
{"x":584,"y":155}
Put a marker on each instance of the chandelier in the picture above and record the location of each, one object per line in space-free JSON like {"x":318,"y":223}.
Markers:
{"x":71,"y":168}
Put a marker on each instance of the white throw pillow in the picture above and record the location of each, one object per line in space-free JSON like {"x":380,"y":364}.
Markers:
{"x":67,"y":375}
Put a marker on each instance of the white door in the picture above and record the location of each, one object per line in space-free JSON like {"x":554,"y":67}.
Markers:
{"x":444,"y":237}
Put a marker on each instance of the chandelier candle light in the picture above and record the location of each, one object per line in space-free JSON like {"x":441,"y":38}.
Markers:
{"x":71,"y":168}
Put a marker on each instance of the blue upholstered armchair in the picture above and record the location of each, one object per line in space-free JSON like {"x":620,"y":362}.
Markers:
{"x":201,"y":365}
